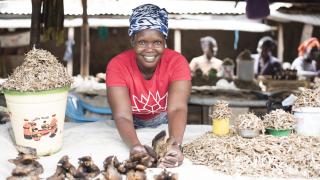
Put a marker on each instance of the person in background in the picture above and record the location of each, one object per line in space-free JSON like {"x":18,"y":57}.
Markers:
{"x":207,"y":61}
{"x":306,"y":63}
{"x":264,"y":62}
{"x":149,"y":85}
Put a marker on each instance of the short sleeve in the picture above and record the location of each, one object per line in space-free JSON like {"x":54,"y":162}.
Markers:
{"x":180,"y":70}
{"x":115,"y":74}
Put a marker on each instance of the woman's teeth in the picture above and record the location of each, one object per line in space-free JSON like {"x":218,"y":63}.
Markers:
{"x":149,"y":58}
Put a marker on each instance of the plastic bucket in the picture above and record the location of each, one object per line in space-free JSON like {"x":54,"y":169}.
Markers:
{"x":245,"y":70}
{"x":308,"y":121}
{"x":220,"y":127}
{"x":37,"y":118}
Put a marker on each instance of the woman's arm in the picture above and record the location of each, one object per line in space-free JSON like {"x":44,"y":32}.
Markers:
{"x":179,"y":92}
{"x":119,"y":101}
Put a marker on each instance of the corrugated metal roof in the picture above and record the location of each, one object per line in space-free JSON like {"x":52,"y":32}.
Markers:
{"x":183,"y":24}
{"x":124,"y":7}
{"x":291,"y":14}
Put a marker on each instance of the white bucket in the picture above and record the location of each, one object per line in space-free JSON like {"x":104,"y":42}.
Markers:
{"x":308,"y":121}
{"x":37,"y":118}
{"x":245,"y":70}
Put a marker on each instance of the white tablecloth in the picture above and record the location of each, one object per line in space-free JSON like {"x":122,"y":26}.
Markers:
{"x":100,"y":140}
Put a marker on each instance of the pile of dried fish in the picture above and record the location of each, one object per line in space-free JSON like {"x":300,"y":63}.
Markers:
{"x":316,"y":83}
{"x":265,"y":155}
{"x":249,"y":121}
{"x":279,"y":119}
{"x":221,"y":111}
{"x":40,"y":71}
{"x":308,"y":98}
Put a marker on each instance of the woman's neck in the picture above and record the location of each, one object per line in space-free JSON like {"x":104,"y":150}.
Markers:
{"x":147,"y":73}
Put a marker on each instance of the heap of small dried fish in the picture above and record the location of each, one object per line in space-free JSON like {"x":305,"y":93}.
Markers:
{"x":308,"y":98}
{"x":249,"y":121}
{"x":39,"y":71}
{"x":316,"y":83}
{"x":279,"y":119}
{"x":265,"y":155}
{"x":221,"y":111}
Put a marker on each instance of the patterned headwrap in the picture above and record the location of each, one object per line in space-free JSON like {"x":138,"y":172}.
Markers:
{"x":148,"y":16}
{"x":309,"y":43}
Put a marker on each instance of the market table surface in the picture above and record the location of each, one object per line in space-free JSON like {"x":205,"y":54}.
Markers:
{"x":99,"y":140}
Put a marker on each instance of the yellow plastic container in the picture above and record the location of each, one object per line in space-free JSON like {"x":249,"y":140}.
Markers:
{"x":220,"y":127}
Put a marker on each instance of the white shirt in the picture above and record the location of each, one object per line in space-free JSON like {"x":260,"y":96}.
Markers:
{"x":303,"y":68}
{"x":202,"y":63}
{"x":257,"y":60}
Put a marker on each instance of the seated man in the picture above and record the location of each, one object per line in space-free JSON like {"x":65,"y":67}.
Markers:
{"x":305,"y":63}
{"x":264,"y":62}
{"x":208,"y":60}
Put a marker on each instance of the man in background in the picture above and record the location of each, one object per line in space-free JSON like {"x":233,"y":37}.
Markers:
{"x":207,"y":61}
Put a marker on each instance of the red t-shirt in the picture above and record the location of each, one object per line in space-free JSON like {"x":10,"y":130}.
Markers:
{"x":148,"y":97}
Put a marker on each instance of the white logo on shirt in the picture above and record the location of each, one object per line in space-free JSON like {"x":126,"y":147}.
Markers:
{"x":150,"y":104}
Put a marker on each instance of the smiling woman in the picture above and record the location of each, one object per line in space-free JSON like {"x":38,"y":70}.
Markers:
{"x":149,"y":85}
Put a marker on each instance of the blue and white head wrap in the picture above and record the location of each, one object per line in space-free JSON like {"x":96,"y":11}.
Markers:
{"x":148,"y":16}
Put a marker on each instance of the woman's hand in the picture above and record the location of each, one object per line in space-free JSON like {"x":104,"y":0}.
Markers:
{"x":173,"y":158}
{"x":138,"y":149}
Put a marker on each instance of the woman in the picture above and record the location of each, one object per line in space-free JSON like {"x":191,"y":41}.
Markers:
{"x":264,"y":62}
{"x":149,"y":85}
{"x":305,"y":63}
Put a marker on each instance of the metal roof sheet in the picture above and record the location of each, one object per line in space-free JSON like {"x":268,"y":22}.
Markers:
{"x":124,"y":7}
{"x":183,"y":24}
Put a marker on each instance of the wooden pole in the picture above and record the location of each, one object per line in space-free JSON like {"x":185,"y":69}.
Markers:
{"x":280,"y":43}
{"x":35,"y":23}
{"x":85,"y":43}
{"x":177,"y":40}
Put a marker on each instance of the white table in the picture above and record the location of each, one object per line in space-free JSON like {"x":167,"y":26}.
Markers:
{"x":100,"y":140}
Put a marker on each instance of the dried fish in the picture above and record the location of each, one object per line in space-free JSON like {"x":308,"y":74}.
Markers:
{"x":249,"y":121}
{"x":291,"y":156}
{"x":308,"y":98}
{"x":39,"y":71}
{"x":221,"y":111}
{"x":279,"y":119}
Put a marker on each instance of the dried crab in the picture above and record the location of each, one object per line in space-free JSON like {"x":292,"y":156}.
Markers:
{"x":64,"y":170}
{"x":166,"y":175}
{"x":87,"y":169}
{"x":26,"y":164}
{"x":161,"y":145}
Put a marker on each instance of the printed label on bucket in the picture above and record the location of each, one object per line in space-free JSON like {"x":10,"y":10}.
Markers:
{"x":39,"y":127}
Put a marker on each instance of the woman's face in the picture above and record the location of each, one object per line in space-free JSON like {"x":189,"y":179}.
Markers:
{"x":149,"y":45}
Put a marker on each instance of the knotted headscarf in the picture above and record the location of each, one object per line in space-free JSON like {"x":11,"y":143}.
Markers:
{"x":309,"y":43}
{"x":148,"y":16}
